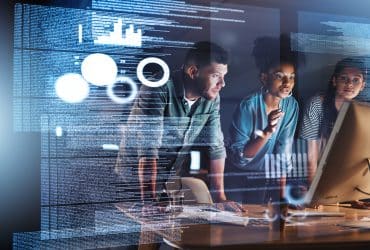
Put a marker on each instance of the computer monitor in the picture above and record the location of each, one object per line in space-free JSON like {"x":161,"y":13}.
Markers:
{"x":343,"y":172}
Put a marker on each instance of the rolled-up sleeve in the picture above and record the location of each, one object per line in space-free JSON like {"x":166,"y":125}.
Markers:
{"x":240,"y":133}
{"x":146,"y":120}
{"x":216,"y":149}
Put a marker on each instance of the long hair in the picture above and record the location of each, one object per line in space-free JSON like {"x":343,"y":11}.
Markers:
{"x":330,"y":112}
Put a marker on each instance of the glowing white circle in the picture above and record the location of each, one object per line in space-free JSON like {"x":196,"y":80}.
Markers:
{"x":99,"y":69}
{"x":72,"y":88}
{"x":122,"y":100}
{"x":153,"y":84}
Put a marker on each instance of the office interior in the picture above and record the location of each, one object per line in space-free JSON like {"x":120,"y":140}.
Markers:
{"x":57,"y":158}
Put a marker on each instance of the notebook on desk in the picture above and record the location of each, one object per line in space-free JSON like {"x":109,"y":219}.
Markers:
{"x":356,"y":224}
{"x":212,"y":215}
{"x":315,"y":214}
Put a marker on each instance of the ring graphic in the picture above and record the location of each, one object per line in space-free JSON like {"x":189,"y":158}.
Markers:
{"x":269,"y":218}
{"x":160,"y":62}
{"x":292,"y":200}
{"x":122,"y":100}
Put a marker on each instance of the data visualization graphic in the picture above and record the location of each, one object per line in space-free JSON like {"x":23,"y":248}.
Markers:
{"x":130,"y":39}
{"x":76,"y":75}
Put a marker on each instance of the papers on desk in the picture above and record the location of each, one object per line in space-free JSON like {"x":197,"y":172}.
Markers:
{"x":212,"y":215}
{"x":315,"y":214}
{"x":356,"y":224}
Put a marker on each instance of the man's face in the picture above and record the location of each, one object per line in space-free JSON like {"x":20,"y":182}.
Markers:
{"x":279,"y":82}
{"x":211,"y":79}
{"x":349,"y":83}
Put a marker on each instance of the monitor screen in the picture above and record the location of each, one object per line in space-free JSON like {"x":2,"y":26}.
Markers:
{"x":343,"y":170}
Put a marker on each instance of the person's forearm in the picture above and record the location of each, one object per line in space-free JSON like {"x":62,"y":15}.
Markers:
{"x":312,"y":158}
{"x":311,"y":171}
{"x":254,"y":145}
{"x":282,"y":184}
{"x":217,"y":179}
{"x":147,"y":177}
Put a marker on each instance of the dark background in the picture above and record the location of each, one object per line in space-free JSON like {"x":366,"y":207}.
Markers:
{"x":20,"y":152}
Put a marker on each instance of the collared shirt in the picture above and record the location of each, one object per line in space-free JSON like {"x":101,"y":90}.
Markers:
{"x":161,"y":125}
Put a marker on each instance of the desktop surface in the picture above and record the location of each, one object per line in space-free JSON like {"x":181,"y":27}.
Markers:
{"x":308,"y":232}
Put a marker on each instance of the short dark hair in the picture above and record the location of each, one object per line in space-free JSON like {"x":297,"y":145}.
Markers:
{"x":204,"y":53}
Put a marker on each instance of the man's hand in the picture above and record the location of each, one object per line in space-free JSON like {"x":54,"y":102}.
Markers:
{"x":148,"y":210}
{"x":232,"y":206}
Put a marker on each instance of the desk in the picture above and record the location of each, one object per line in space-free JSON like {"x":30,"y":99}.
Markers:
{"x":310,"y":233}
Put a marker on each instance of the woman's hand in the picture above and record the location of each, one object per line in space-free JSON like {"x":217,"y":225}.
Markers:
{"x":272,"y":121}
{"x":254,"y":145}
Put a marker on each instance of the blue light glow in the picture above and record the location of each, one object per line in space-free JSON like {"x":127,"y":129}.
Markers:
{"x":99,"y":69}
{"x":291,"y":199}
{"x":71,"y":88}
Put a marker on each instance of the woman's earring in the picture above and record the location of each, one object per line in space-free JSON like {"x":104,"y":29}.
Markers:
{"x":264,"y":90}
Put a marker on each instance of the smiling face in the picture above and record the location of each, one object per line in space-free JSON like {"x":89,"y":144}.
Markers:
{"x":279,"y":81}
{"x":348,"y":83}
